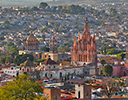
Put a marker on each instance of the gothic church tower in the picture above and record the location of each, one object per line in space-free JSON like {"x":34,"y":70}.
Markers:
{"x":86,"y":51}
{"x":53,"y":49}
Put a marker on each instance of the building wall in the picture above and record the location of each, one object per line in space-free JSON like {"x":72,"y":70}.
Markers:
{"x":62,"y":56}
{"x":83,"y":91}
{"x":56,"y":73}
{"x":52,"y":93}
{"x":12,"y":72}
{"x":54,"y":56}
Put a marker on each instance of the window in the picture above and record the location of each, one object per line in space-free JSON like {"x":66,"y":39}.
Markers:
{"x":10,"y":71}
{"x":13,"y":71}
{"x":49,"y":67}
{"x":45,"y":74}
{"x":54,"y":66}
{"x":51,"y":75}
{"x":101,"y":72}
{"x":27,"y":70}
{"x":78,"y":85}
{"x":87,"y":95}
{"x":79,"y":94}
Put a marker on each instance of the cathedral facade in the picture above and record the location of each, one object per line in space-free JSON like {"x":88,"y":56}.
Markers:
{"x":31,"y":43}
{"x":85,"y":52}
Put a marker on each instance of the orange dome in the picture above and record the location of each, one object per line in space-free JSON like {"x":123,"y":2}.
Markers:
{"x":32,"y":38}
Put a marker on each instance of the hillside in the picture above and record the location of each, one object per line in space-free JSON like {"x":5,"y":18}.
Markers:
{"x":10,"y":3}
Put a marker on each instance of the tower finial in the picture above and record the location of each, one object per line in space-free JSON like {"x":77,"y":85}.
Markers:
{"x":79,"y":38}
{"x":75,"y":44}
{"x":31,"y":32}
{"x":86,"y":30}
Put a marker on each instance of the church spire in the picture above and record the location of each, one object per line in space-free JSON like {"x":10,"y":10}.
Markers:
{"x":79,"y":38}
{"x":31,"y":33}
{"x":75,"y":44}
{"x":86,"y":30}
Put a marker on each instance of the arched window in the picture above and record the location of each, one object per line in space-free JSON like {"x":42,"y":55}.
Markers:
{"x":45,"y":74}
{"x":60,"y":75}
{"x":27,"y":70}
{"x":79,"y":94}
{"x":51,"y":75}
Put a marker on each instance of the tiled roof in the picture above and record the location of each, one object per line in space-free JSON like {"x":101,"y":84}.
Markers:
{"x":49,"y":61}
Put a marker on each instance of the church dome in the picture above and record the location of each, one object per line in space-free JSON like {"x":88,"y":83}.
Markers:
{"x":32,"y":38}
{"x":28,"y":63}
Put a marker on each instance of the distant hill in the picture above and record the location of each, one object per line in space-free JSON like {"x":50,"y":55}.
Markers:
{"x":10,"y":3}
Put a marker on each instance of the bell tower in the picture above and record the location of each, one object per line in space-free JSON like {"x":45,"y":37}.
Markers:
{"x":53,"y":49}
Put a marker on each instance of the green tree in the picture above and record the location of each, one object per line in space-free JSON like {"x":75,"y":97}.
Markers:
{"x":19,"y":42}
{"x":122,"y":55}
{"x":103,"y":62}
{"x":110,"y":88}
{"x":13,"y":50}
{"x":21,"y":89}
{"x":44,"y":49}
{"x":34,"y":8}
{"x":10,"y":44}
{"x":43,"y":30}
{"x":43,"y":5}
{"x":22,"y":58}
{"x":2,"y":38}
{"x":6,"y":24}
{"x":8,"y":58}
{"x":2,"y":60}
{"x":40,"y":60}
{"x":108,"y":70}
{"x":112,"y":51}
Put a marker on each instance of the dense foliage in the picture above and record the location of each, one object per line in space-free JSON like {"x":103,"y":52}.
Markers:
{"x":103,"y":62}
{"x":43,"y":5}
{"x":21,"y":89}
{"x":40,"y":60}
{"x":22,"y":58}
{"x":72,"y":9}
{"x":108,"y":70}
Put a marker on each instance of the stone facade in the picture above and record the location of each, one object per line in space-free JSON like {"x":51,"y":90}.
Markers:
{"x":31,"y":43}
{"x":83,"y":91}
{"x":52,"y":93}
{"x":86,"y":50}
{"x":31,"y":47}
{"x":59,"y":73}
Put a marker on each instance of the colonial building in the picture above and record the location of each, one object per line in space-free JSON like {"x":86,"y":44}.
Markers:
{"x":53,"y":49}
{"x":85,"y":52}
{"x":31,"y":43}
{"x":28,"y":66}
{"x":31,"y":47}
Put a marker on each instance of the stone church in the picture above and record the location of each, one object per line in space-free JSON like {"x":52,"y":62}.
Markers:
{"x":31,"y":47}
{"x":83,"y":61}
{"x":85,"y":53}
